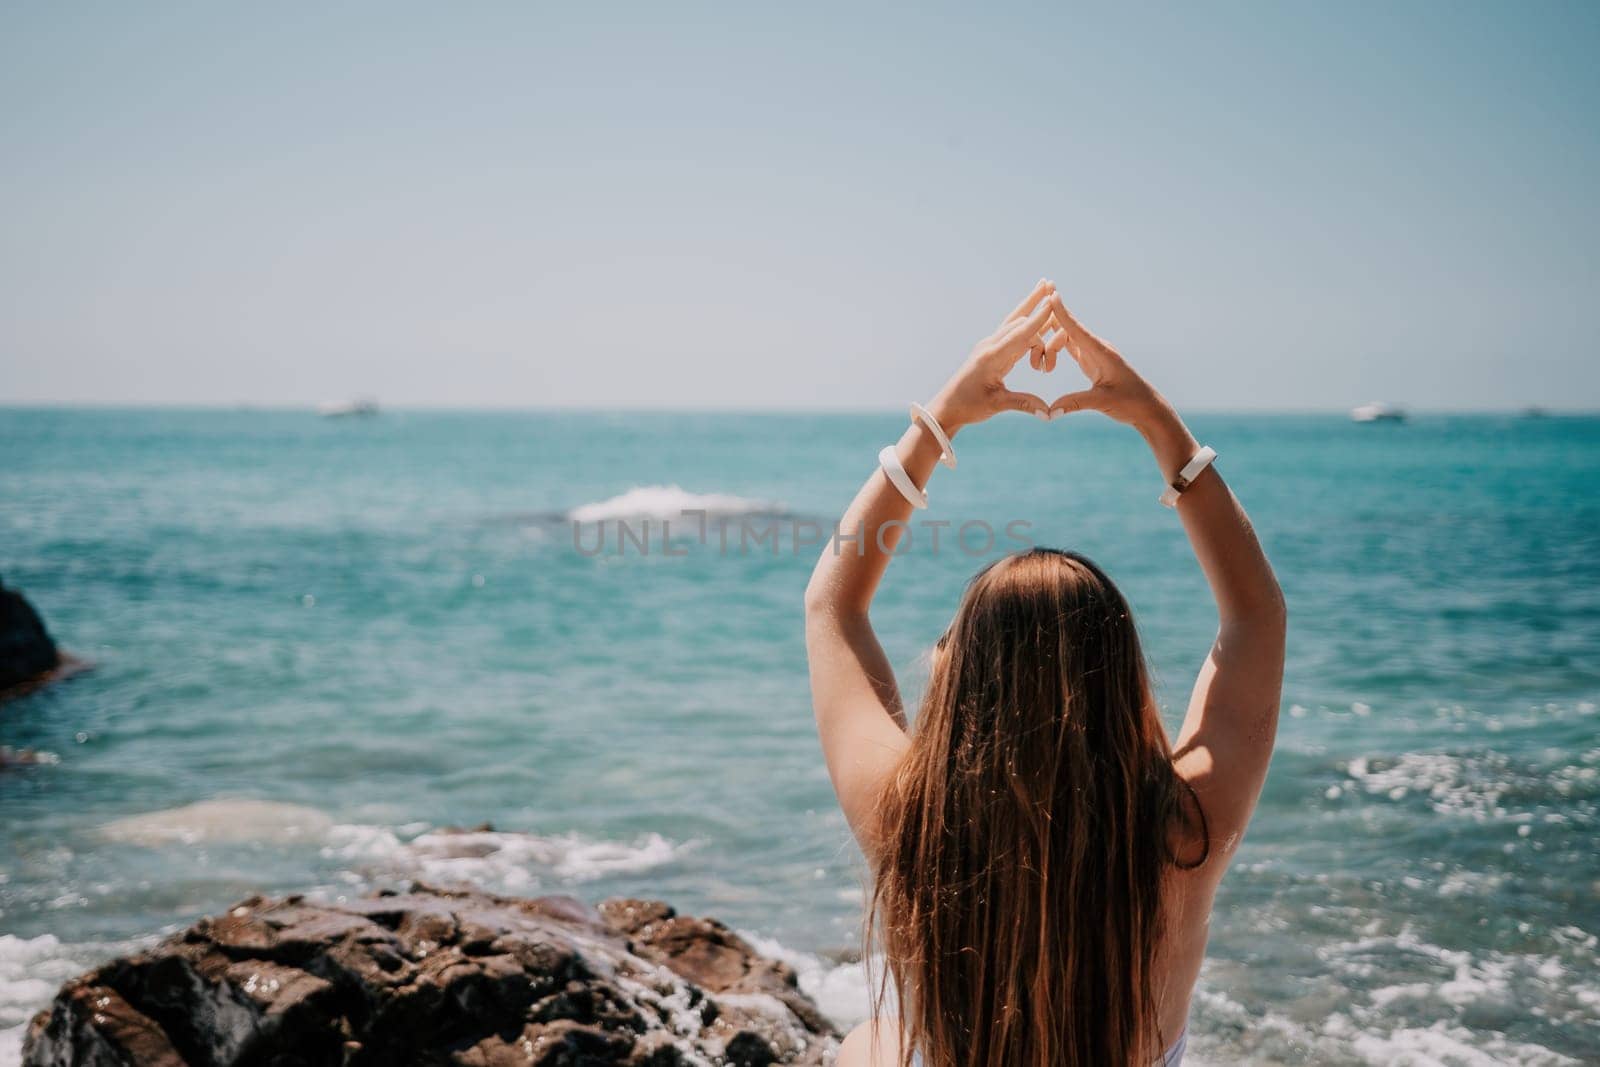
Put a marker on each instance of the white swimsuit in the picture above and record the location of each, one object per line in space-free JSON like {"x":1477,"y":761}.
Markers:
{"x":1174,"y":1055}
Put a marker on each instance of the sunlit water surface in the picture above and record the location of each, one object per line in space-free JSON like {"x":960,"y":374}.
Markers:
{"x":341,"y":634}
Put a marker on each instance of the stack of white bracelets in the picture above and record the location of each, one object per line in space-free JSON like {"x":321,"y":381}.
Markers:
{"x":895,"y":471}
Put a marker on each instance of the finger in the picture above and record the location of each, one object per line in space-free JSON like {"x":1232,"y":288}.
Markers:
{"x":1063,"y":317}
{"x":1082,"y":400}
{"x":1024,"y":332}
{"x":1036,"y":355}
{"x":1011,"y":400}
{"x":1052,"y":348}
{"x":1074,"y":338}
{"x":1043,"y":287}
{"x":1076,"y":331}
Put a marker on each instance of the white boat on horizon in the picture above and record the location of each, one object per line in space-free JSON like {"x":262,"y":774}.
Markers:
{"x":1378,"y":411}
{"x":338,"y":409}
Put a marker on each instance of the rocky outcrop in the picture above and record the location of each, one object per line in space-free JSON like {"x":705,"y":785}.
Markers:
{"x":26,"y":650}
{"x":437,"y":977}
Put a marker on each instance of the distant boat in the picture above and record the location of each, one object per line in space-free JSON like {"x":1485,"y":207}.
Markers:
{"x":1535,"y":412}
{"x":339,"y":409}
{"x":1377,"y":411}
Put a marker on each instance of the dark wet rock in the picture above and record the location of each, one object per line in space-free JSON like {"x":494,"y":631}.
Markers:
{"x":26,"y":650}
{"x":435,"y":976}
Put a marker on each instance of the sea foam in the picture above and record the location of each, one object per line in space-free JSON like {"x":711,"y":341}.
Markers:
{"x":31,"y":970}
{"x":841,"y":990}
{"x":498,"y":860}
{"x":489,"y":859}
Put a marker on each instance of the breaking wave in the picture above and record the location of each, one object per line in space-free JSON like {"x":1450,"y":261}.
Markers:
{"x":495,"y":860}
{"x":671,"y":502}
{"x":31,"y":970}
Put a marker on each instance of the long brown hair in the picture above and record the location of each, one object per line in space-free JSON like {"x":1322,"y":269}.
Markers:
{"x":1024,"y":838}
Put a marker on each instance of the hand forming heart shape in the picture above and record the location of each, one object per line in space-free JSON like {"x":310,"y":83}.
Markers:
{"x":1040,"y":327}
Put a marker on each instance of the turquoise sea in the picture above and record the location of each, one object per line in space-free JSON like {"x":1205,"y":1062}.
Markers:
{"x":338,"y":635}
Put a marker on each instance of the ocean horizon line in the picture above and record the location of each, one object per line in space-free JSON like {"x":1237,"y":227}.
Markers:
{"x":311,"y":408}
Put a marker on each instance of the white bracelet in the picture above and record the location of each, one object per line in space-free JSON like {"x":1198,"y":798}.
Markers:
{"x":895,"y":471}
{"x":947,"y":454}
{"x":1191,"y":470}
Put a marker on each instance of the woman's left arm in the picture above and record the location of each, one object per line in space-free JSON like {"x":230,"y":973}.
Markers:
{"x":853,"y":691}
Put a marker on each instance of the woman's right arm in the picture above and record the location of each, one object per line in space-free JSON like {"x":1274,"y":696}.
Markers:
{"x":1227,"y":736}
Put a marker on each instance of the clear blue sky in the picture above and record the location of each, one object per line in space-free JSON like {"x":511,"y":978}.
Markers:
{"x":1264,"y":205}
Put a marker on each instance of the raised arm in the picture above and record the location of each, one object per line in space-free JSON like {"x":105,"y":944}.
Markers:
{"x":853,"y":691}
{"x":1227,"y":736}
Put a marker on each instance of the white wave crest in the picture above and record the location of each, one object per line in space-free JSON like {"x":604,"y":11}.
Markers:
{"x":31,"y":970}
{"x":1446,"y":1045}
{"x":497,"y":860}
{"x":840,"y":990}
{"x":670,"y":502}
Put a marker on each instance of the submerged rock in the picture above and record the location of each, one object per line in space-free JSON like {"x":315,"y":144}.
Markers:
{"x":26,"y":651}
{"x":434,"y":976}
{"x":221,"y":820}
